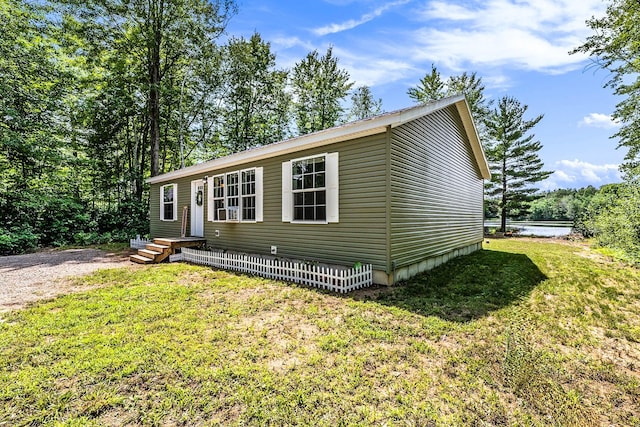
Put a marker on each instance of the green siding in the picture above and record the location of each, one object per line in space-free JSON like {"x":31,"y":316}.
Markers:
{"x":169,"y":228}
{"x":436,"y":189}
{"x":358,"y":237}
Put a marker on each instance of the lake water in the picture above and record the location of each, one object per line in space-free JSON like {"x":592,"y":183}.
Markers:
{"x":536,"y":229}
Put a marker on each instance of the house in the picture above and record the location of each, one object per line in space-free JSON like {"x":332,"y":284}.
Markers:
{"x":402,"y":191}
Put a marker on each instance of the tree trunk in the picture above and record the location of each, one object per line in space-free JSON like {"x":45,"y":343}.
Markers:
{"x":154,"y":85}
{"x":503,"y":214}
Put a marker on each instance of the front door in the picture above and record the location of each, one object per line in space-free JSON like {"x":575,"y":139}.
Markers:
{"x":197,"y":208}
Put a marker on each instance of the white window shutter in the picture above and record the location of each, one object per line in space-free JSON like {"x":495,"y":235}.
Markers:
{"x":287,"y":196}
{"x":210,"y":207}
{"x":259,"y":194}
{"x":175,"y":202}
{"x":333,"y":187}
{"x":162,"y":203}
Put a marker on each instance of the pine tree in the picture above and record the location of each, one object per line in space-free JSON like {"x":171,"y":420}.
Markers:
{"x":513,"y":158}
{"x":432,"y":87}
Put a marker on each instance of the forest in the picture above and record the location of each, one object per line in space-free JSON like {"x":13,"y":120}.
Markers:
{"x":95,"y":97}
{"x":98,"y":96}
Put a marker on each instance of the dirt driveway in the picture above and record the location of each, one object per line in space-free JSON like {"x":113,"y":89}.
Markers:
{"x":38,"y":276}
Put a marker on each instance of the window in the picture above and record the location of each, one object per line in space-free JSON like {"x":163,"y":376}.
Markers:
{"x":249,"y":195}
{"x":219,"y":212}
{"x":232,"y":199}
{"x":310,"y":189}
{"x":168,"y":202}
{"x":236,"y":196}
{"x":309,"y":193}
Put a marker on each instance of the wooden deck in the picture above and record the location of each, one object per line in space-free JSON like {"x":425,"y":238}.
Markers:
{"x":162,"y":247}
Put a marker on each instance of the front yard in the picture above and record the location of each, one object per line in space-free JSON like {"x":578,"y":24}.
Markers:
{"x":523,"y":333}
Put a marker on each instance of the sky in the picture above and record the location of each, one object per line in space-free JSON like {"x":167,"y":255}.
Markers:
{"x":519,"y":48}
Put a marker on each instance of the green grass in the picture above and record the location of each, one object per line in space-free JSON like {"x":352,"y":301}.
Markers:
{"x":523,"y":333}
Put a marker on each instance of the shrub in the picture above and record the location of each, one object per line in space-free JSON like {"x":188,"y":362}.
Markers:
{"x":613,"y":219}
{"x":17,"y":241}
{"x":42,"y":217}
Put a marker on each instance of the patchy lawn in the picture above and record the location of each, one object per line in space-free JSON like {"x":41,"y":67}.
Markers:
{"x":523,"y":333}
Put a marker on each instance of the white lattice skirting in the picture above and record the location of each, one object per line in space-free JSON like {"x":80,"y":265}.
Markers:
{"x":339,"y":279}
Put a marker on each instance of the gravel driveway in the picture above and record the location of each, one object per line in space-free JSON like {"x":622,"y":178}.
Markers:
{"x":38,"y":276}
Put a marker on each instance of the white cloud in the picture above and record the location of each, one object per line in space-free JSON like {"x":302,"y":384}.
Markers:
{"x":577,"y":173}
{"x":563,"y":176}
{"x":528,"y":34}
{"x":371,"y":70}
{"x":598,"y":120}
{"x":352,"y":23}
{"x":280,"y":42}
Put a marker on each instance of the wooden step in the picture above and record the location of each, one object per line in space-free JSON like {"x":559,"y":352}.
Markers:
{"x":177,"y":243}
{"x":157,"y":248}
{"x":149,"y":254}
{"x":161,"y":248}
{"x":140,"y":259}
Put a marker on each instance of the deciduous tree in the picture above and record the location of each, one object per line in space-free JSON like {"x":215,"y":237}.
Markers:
{"x":615,"y":46}
{"x":162,"y":38}
{"x":256,"y":100}
{"x":319,"y":87}
{"x":363,"y":104}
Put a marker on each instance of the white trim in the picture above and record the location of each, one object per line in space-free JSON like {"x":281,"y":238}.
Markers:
{"x":194,"y":208}
{"x":212,"y":198}
{"x":287,"y":195}
{"x":235,"y":208}
{"x":474,"y":139}
{"x":175,"y":202}
{"x":332,"y":184}
{"x":210,"y":207}
{"x":313,"y":156}
{"x":259,"y":194}
{"x":361,"y":128}
{"x":331,"y":188}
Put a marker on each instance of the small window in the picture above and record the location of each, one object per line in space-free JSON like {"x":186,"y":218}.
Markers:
{"x":168,"y":202}
{"x":219,"y":212}
{"x":232,"y":199}
{"x":309,"y":191}
{"x":249,"y":195}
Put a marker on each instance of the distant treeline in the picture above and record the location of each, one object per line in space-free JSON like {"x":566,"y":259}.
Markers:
{"x":556,"y":205}
{"x":610,"y":215}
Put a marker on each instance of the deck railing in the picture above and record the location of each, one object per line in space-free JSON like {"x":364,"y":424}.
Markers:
{"x":337,"y":279}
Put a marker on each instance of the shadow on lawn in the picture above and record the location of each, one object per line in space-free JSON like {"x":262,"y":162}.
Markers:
{"x":468,"y":287}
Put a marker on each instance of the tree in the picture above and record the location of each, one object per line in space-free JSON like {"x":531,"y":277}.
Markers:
{"x":432,"y":87}
{"x":615,"y":46}
{"x":161,"y":38}
{"x":613,"y":219}
{"x":256,"y":100}
{"x":363,"y":105}
{"x":513,"y":158}
{"x":319,"y":87}
{"x":33,"y":87}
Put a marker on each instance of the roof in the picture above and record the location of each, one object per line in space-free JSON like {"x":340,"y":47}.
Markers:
{"x":348,"y":131}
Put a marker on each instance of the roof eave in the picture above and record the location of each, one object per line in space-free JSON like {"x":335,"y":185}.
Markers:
{"x":474,"y":138}
{"x":358,"y":129}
